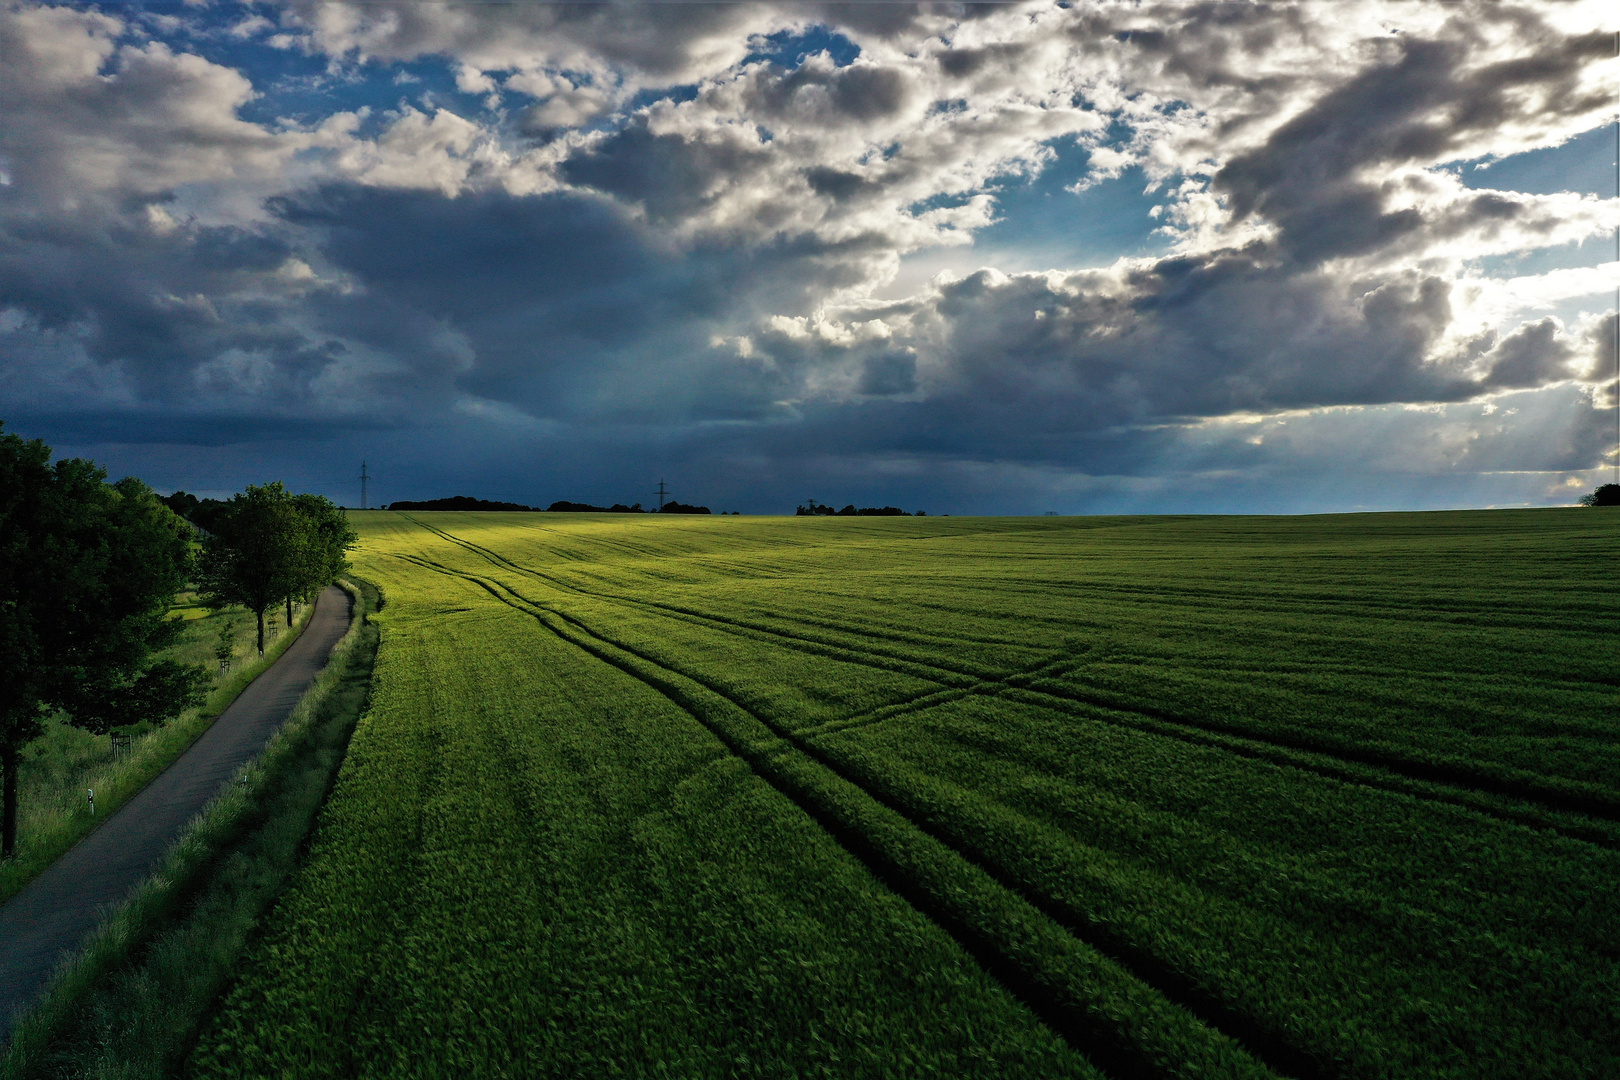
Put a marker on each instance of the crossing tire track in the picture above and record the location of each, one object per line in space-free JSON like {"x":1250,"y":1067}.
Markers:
{"x":1068,"y":1018}
{"x":1519,"y":799}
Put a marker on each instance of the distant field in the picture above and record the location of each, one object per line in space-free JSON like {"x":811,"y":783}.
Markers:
{"x":1164,"y":797}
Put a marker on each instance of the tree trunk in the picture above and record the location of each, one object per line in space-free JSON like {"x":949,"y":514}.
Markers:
{"x":9,"y":756}
{"x":289,"y":611}
{"x":261,"y":631}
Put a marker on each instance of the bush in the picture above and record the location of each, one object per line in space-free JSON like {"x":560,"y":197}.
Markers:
{"x":1606,"y":495}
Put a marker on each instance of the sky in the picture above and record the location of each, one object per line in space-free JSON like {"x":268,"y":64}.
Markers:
{"x":993,"y":259}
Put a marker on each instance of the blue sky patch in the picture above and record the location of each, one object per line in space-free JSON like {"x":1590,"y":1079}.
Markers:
{"x":1584,"y":164}
{"x":787,"y":48}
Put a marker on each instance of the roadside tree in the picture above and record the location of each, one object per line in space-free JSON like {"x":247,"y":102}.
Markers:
{"x":257,"y":552}
{"x":87,"y":573}
{"x":327,"y":543}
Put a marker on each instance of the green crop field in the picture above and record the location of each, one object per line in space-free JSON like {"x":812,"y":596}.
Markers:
{"x":1158,"y":797}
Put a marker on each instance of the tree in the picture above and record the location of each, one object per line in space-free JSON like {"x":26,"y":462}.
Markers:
{"x":87,"y":574}
{"x":327,"y":544}
{"x":225,"y":647}
{"x":1606,"y":495}
{"x":182,"y":502}
{"x":257,"y":553}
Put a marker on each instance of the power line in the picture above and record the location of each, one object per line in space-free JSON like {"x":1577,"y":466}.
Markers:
{"x":662,"y":492}
{"x":363,"y":479}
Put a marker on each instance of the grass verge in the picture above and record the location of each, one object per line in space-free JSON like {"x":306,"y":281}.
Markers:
{"x":61,"y":764}
{"x":131,"y":1003}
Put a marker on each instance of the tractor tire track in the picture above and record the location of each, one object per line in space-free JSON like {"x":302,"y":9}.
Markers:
{"x":768,"y":761}
{"x":1529,"y":799}
{"x":1455,"y":783}
{"x":863,"y":631}
{"x":1456,"y":778}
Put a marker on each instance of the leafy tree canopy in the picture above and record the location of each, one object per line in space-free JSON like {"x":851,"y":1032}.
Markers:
{"x":327,"y":542}
{"x":267,"y":546}
{"x":1607,"y":495}
{"x":87,"y":573}
{"x":256,"y":553}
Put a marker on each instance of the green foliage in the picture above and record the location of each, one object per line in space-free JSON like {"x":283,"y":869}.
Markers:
{"x":225,"y":645}
{"x":254,"y":555}
{"x":29,"y":560}
{"x":329,"y":539}
{"x":87,"y":572}
{"x":136,"y":556}
{"x":183,"y":503}
{"x":268,"y":546}
{"x":1316,"y":797}
{"x":1605,"y":495}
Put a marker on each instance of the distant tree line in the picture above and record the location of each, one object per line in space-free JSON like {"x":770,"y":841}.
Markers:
{"x":463,"y":502}
{"x":200,"y":512}
{"x":812,"y":508}
{"x":458,"y":502}
{"x":564,"y":507}
{"x":670,"y":507}
{"x":1606,"y":495}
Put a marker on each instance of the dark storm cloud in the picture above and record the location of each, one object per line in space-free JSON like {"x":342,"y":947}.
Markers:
{"x":167,"y":427}
{"x":1533,"y":355}
{"x":566,"y":306}
{"x":835,"y":183}
{"x":1029,"y":366}
{"x":861,"y":92}
{"x":671,"y":176}
{"x":156,"y":305}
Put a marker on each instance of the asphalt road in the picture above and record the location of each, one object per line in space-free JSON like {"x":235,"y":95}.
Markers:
{"x":49,"y":919}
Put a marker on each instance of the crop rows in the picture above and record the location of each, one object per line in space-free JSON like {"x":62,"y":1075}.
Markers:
{"x":1160,"y":797}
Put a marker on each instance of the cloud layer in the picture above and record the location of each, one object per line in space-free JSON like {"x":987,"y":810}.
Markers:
{"x":628,"y":236}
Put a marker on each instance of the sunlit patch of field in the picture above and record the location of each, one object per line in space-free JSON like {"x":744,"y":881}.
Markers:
{"x":1314,"y":797}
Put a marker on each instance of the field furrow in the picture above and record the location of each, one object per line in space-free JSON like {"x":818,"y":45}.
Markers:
{"x":1101,"y":1007}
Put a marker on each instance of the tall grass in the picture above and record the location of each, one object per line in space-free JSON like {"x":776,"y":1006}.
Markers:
{"x":130,"y":1004}
{"x":58,"y":768}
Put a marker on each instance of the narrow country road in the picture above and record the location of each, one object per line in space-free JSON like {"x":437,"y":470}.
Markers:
{"x":51,"y":917}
